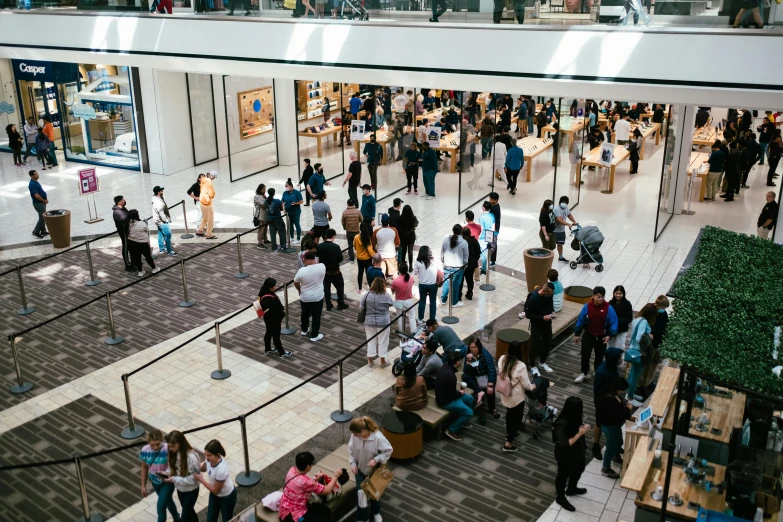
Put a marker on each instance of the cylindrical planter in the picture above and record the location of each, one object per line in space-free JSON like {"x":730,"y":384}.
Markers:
{"x":58,"y":223}
{"x":538,"y":261}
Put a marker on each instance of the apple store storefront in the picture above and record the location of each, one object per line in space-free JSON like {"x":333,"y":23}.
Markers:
{"x":90,"y":107}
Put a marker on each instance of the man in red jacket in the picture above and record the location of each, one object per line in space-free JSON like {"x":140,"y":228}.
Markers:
{"x":600,"y":321}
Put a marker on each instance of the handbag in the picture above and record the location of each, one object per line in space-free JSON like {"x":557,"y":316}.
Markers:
{"x":633,"y":355}
{"x":440,"y":277}
{"x":256,"y":222}
{"x":503,"y":385}
{"x":483,"y":381}
{"x":374,"y":485}
{"x":362,"y":312}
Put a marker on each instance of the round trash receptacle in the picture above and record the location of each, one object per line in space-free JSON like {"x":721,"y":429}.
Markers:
{"x":538,"y":261}
{"x":58,"y":223}
{"x":578,"y":294}
{"x":403,"y":430}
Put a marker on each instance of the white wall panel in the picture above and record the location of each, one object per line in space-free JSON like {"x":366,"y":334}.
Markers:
{"x":173,"y":121}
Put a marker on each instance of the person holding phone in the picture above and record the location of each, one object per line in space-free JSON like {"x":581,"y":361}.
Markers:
{"x":183,"y":466}
{"x":570,"y":447}
{"x":222,"y":493}
{"x":154,"y":457}
{"x":480,"y":375}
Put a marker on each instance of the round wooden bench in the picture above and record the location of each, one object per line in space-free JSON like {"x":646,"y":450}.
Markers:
{"x":578,"y":294}
{"x":508,"y":336}
{"x":403,"y":429}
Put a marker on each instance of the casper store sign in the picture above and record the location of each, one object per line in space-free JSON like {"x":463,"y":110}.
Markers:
{"x":32,"y":70}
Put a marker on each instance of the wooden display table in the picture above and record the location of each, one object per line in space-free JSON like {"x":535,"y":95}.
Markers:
{"x":435,"y":115}
{"x":532,"y":147}
{"x":508,"y":336}
{"x":662,"y":396}
{"x":637,"y":460}
{"x":403,"y":429}
{"x":453,"y":150}
{"x":654,"y":128}
{"x":591,"y":159}
{"x":723,"y":413}
{"x":577,"y":125}
{"x":697,"y":162}
{"x":578,"y":294}
{"x":381,"y":137}
{"x":706,"y":136}
{"x":320,"y":135}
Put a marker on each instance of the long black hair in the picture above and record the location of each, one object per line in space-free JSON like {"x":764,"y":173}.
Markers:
{"x":407,"y":220}
{"x":409,"y":374}
{"x":425,"y":256}
{"x":513,"y":357}
{"x":456,"y":231}
{"x":133,"y":215}
{"x":365,"y":233}
{"x":260,"y":189}
{"x":618,"y":288}
{"x":403,"y":270}
{"x":270,"y":196}
{"x":572,"y":413}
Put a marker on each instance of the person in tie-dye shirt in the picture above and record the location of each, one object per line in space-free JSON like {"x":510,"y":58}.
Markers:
{"x":154,"y":463}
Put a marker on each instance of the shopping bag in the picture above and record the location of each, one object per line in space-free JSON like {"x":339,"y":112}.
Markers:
{"x":374,"y":485}
{"x":257,"y":307}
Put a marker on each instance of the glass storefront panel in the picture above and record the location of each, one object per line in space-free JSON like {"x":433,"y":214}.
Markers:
{"x":669,"y":177}
{"x":201,"y":105}
{"x":319,"y":115}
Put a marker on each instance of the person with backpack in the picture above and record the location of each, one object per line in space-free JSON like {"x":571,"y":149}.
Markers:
{"x":539,"y":310}
{"x":274,"y":312}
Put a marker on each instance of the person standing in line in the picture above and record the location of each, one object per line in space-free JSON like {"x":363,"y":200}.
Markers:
{"x":322,"y":215}
{"x":766,"y":221}
{"x":362,"y":244}
{"x":375,"y":304}
{"x":515,"y":160}
{"x":612,"y":412}
{"x":385,"y":240}
{"x":206,"y":197}
{"x":307,"y":172}
{"x":183,"y":466}
{"x":429,"y":168}
{"x":773,"y":155}
{"x":330,"y":254}
{"x":375,"y":269}
{"x":402,"y":290}
{"x":640,"y":345}
{"x":15,"y":143}
{"x":42,"y":148}
{"x":598,"y":322}
{"x":605,"y":375}
{"x":353,"y":178}
{"x":274,"y":313}
{"x":451,"y":398}
{"x":194,"y":192}
{"x":368,"y":204}
{"x":309,"y":282}
{"x":351,"y":221}
{"x":624,"y":311}
{"x":454,"y":254}
{"x":374,"y":154}
{"x":474,"y":254}
{"x":411,"y":168}
{"x":120,"y":215}
{"x":539,"y":309}
{"x":260,"y":217}
{"x":407,"y":232}
{"x":487,"y":222}
{"x":394,"y":213}
{"x":547,"y":224}
{"x":495,"y":210}
{"x":274,"y":216}
{"x":154,"y":458}
{"x":562,"y":217}
{"x":30,"y":132}
{"x":511,"y":367}
{"x":222,"y":493}
{"x":48,"y":129}
{"x":367,"y":448}
{"x":570,"y":448}
{"x":139,"y":243}
{"x":292,"y":199}
{"x":162,"y":220}
{"x":716,"y":160}
{"x":427,"y":269}
{"x":470,"y":224}
{"x":317,"y":182}
{"x":634,"y":147}
{"x":38,"y":194}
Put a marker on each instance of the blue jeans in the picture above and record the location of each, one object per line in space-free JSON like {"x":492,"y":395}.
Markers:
{"x":614,"y":440}
{"x":463,"y":408}
{"x":295,"y":225}
{"x":165,"y":493}
{"x":764,"y":147}
{"x":223,"y":506}
{"x":530,"y":124}
{"x":432,"y":292}
{"x":373,"y":506}
{"x":188,"y":499}
{"x":633,"y":378}
{"x":429,"y":182}
{"x":486,"y":147}
{"x":463,"y":351}
{"x":458,"y":273}
{"x":164,"y":234}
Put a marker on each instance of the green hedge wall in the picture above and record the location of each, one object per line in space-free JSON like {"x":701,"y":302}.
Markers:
{"x":727,"y":306}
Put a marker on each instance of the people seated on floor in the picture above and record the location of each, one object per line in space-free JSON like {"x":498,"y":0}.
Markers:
{"x":298,"y":487}
{"x":480,"y":375}
{"x":410,"y":390}
{"x":445,"y":337}
{"x":430,"y":363}
{"x":451,"y":398}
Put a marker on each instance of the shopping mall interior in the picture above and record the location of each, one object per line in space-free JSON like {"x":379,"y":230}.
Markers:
{"x":636,"y":126}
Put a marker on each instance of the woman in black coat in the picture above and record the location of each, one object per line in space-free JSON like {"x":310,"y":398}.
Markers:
{"x":274,"y":312}
{"x":15,"y":143}
{"x":570,"y":447}
{"x":624,"y":310}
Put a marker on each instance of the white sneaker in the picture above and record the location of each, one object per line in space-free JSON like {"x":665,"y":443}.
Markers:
{"x":140,"y":274}
{"x":535,"y":371}
{"x":295,"y":241}
{"x":581,"y":377}
{"x":545,"y":367}
{"x":377,"y":518}
{"x":317,"y":338}
{"x":459,"y":303}
{"x":306,"y":332}
{"x":521,"y":315}
{"x":156,"y":270}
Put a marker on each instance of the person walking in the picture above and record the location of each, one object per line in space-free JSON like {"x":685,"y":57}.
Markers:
{"x":454,"y":254}
{"x":367,"y":449}
{"x":411,"y":168}
{"x":639,"y":349}
{"x":766,"y":221}
{"x":598,"y":322}
{"x":330,"y":254}
{"x":353,"y":178}
{"x":274,"y":216}
{"x":511,"y":368}
{"x":624,"y":311}
{"x":774,"y":154}
{"x":407,"y":232}
{"x":474,"y":255}
{"x":317,"y":181}
{"x":368,"y":204}
{"x":274,"y":313}
{"x":206,"y":197}
{"x":539,"y":309}
{"x":322,"y":215}
{"x":715,"y":161}
{"x":30,"y":132}
{"x":15,"y":143}
{"x":40,"y":200}
{"x":307,"y":172}
{"x":154,"y":464}
{"x":162,"y":220}
{"x":612,"y":412}
{"x":194,"y":192}
{"x":430,"y":274}
{"x":429,"y":168}
{"x":362,"y":244}
{"x":139,"y":243}
{"x":183,"y":465}
{"x":48,"y":129}
{"x":351,"y":220}
{"x":451,"y":398}
{"x":374,"y":154}
{"x":547,"y":224}
{"x":402,"y":290}
{"x":309,"y":282}
{"x":292,"y":199}
{"x":222,"y":493}
{"x":260,"y":217}
{"x":375,"y":304}
{"x":515,"y":160}
{"x":499,"y":153}
{"x":120,"y":215}
{"x":385,"y":240}
{"x":42,"y":148}
{"x":570,"y":448}
{"x":486,"y":135}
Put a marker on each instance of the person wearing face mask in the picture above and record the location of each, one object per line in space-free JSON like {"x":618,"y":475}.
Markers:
{"x":546,"y":222}
{"x":292,"y":199}
{"x":367,"y":448}
{"x":598,"y":322}
{"x":562,"y":217}
{"x":374,"y":153}
{"x":317,"y":181}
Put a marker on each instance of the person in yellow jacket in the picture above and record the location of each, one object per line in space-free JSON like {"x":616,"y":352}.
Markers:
{"x":205,"y":200}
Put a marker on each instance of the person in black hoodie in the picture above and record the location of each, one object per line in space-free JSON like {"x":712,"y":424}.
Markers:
{"x":305,"y":180}
{"x":474,"y":253}
{"x":570,"y":446}
{"x":624,"y":310}
{"x":612,"y":411}
{"x":274,"y":312}
{"x":121,"y":221}
{"x":604,"y":376}
{"x":394,"y":214}
{"x":539,"y":310}
{"x":732,"y":169}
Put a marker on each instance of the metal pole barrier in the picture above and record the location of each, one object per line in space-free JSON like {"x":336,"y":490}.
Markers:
{"x":92,"y":281}
{"x":220,"y":373}
{"x":187,"y":234}
{"x":20,"y":386}
{"x":450,"y":319}
{"x":186,"y":303}
{"x":83,"y":492}
{"x":248,"y":478}
{"x":132,"y":431}
{"x":486,"y":286}
{"x":25,"y":310}
{"x":341,"y":415}
{"x":287,"y":330}
{"x":241,"y":274}
{"x":114,"y":339}
{"x":288,"y":249}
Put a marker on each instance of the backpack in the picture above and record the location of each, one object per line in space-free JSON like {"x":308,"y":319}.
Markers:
{"x":527,"y":301}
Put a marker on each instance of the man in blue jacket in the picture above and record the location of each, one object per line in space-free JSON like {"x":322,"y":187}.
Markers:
{"x":598,"y":322}
{"x":515,"y":160}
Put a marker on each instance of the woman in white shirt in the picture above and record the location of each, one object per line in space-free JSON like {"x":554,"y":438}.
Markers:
{"x":222,"y":493}
{"x":499,"y":160}
{"x":511,"y":368}
{"x":426,"y":271}
{"x":183,"y":468}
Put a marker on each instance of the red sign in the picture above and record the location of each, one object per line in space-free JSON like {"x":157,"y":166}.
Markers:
{"x":88,"y":181}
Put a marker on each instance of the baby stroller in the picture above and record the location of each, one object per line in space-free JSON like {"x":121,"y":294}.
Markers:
{"x":538,"y":413}
{"x":588,"y":241}
{"x":357,"y":10}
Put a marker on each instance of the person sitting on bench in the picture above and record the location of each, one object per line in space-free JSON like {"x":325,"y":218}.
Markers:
{"x":430,"y":363}
{"x":298,"y":487}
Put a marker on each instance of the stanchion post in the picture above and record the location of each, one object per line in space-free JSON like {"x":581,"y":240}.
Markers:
{"x":186,"y":302}
{"x":241,"y":274}
{"x":132,"y":431}
{"x":341,"y":415}
{"x":114,"y":339}
{"x":92,"y":281}
{"x":487,"y":287}
{"x":187,"y":234}
{"x":288,"y":249}
{"x":20,"y":386}
{"x":450,"y":319}
{"x":25,"y":310}
{"x":248,"y":477}
{"x":287,"y":330}
{"x":88,"y":517}
{"x":220,"y":373}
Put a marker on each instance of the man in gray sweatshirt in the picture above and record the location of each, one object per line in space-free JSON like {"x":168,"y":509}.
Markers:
{"x":430,"y":363}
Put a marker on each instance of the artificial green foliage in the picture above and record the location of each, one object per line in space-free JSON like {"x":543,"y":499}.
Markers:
{"x":728,"y":304}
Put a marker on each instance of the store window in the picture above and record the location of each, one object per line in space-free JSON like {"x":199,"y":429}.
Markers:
{"x":319,"y":117}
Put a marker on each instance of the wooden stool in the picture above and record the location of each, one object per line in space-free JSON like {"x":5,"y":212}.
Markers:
{"x":510,"y":335}
{"x":403,"y":430}
{"x":578,"y":294}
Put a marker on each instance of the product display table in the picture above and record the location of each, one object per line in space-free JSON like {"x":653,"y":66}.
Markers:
{"x":591,"y":160}
{"x":723,"y":414}
{"x":403,"y":430}
{"x":653,"y":128}
{"x":508,"y":336}
{"x":435,"y":115}
{"x":450,"y":143}
{"x":331,"y":130}
{"x":532,"y":147}
{"x":382,"y":137}
{"x":697,"y":162}
{"x":706,"y":136}
{"x":577,"y":125}
{"x":662,"y":396}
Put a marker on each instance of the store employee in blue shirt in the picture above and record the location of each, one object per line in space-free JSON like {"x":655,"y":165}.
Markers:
{"x":293,"y":200}
{"x":39,"y":204}
{"x":316,"y":182}
{"x":356,"y":104}
{"x":515,"y":160}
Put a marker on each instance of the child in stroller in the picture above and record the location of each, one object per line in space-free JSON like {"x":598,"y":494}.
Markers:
{"x":538,"y":413}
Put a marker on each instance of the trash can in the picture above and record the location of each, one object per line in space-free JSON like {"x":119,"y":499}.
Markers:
{"x":538,"y":261}
{"x":58,"y":223}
